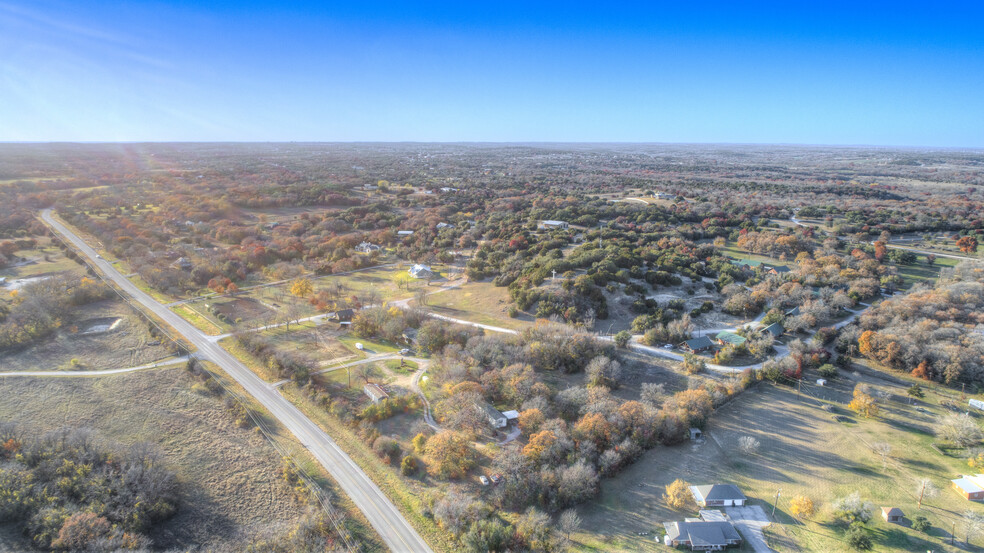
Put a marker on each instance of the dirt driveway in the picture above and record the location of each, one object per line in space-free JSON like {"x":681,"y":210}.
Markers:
{"x":750,"y":521}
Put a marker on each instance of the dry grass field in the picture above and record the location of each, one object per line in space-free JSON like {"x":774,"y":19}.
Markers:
{"x":231,"y":490}
{"x":478,"y":302}
{"x":127,"y":344}
{"x":805,"y":450}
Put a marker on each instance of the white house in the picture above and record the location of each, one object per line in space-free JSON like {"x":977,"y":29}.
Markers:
{"x":444,"y":226}
{"x":402,"y":233}
{"x":551,"y":224}
{"x":421,"y":271}
{"x":496,"y":419}
{"x":366,"y":247}
{"x":370,"y":187}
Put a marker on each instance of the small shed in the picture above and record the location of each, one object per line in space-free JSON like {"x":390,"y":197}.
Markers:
{"x":344,"y":315}
{"x":976,"y":404}
{"x":892,"y":514}
{"x":821,"y":382}
{"x":511,"y":416}
{"x":695,"y":434}
{"x":375,"y":392}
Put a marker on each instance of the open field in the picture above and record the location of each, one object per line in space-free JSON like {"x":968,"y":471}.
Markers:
{"x":477,"y":302}
{"x":45,"y":259}
{"x":103,"y":335}
{"x":230,"y":487}
{"x":804,"y":451}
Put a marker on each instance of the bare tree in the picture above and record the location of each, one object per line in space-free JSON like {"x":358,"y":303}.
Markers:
{"x":959,"y":429}
{"x":748,"y":445}
{"x":568,"y":523}
{"x":653,"y":393}
{"x":973,"y":524}
{"x":421,"y":296}
{"x":925,"y":489}
{"x":883,"y":450}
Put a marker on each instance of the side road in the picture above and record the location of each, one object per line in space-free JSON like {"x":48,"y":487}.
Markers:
{"x":395,"y":531}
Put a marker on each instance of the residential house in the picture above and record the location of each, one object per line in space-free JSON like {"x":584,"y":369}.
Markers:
{"x":776,"y":269}
{"x":370,"y":187}
{"x":697,"y":345}
{"x":441,"y":226}
{"x":892,"y":514}
{"x":344,"y":315}
{"x":718,"y":495}
{"x":775,"y":329}
{"x":446,"y":189}
{"x":551,"y":224}
{"x":796,"y":310}
{"x":976,"y":404}
{"x":511,"y":416}
{"x":701,"y":535}
{"x":495,"y":418}
{"x":663,"y":196}
{"x":375,"y":392}
{"x":183,"y":263}
{"x":421,"y":271}
{"x":971,"y":487}
{"x":404,"y":233}
{"x":367,"y":247}
{"x":724,"y":338}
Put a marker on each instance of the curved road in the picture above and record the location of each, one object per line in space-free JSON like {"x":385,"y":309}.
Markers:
{"x":378,"y":509}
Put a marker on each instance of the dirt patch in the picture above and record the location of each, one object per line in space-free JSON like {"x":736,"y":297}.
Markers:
{"x":249,"y":310}
{"x":230,"y":487}
{"x":102,"y":335}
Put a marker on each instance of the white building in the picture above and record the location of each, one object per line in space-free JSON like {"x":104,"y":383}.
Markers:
{"x":375,"y":392}
{"x":550,"y":224}
{"x":402,"y":233}
{"x":421,"y":271}
{"x":366,"y":247}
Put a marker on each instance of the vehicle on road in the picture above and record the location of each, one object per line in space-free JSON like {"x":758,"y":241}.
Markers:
{"x":359,"y":346}
{"x":484,"y":480}
{"x":667,"y":346}
{"x":405,"y":351}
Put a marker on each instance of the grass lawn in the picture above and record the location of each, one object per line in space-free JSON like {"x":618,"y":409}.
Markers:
{"x":196,"y":314}
{"x":732,"y":251}
{"x":920,"y":272}
{"x":804,"y":451}
{"x":477,"y":302}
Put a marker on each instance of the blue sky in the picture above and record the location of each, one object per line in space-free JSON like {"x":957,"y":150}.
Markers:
{"x":748,"y":72}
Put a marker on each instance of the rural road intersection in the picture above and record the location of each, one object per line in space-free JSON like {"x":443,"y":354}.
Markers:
{"x":394,"y":530}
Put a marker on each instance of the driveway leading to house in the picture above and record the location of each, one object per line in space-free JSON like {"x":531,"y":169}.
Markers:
{"x":750,"y":520}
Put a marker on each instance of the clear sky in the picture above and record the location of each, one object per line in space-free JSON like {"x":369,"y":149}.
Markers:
{"x":795,"y":71}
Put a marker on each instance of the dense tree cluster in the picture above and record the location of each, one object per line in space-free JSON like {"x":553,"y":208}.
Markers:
{"x":69,"y":490}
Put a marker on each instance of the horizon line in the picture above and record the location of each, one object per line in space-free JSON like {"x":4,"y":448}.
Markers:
{"x":495,"y":142}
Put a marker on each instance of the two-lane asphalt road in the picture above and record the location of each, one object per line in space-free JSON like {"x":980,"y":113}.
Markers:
{"x":378,"y":509}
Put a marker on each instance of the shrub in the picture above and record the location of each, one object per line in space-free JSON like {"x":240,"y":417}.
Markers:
{"x":827,"y":370}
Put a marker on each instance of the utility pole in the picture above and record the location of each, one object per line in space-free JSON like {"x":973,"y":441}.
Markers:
{"x":953,"y":530}
{"x":776,"y":504}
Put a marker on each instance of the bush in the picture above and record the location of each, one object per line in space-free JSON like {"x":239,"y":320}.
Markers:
{"x":858,"y":538}
{"x":921,"y":524}
{"x":827,"y":370}
{"x":622,"y":338}
{"x":409,"y":466}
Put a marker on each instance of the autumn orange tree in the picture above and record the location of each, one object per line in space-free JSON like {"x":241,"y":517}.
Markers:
{"x":450,"y":455}
{"x":863,"y":404}
{"x":802,"y":506}
{"x":677,"y":496}
{"x":539,"y":444}
{"x":301,"y":287}
{"x":967,"y":244}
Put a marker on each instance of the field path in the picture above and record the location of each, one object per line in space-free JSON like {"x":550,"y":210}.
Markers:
{"x":64,"y":374}
{"x":395,"y":531}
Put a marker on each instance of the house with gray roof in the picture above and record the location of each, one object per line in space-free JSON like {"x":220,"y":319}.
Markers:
{"x":696,"y":345}
{"x":718,"y":495}
{"x":775,"y":329}
{"x":701,"y":535}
